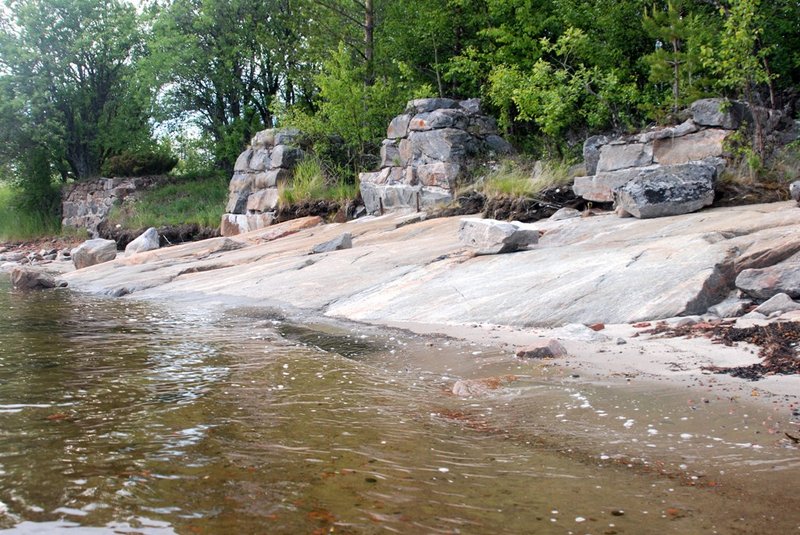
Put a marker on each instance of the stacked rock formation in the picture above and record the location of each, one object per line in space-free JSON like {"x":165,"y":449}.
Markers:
{"x":253,"y":191}
{"x":666,"y":171}
{"x":87,"y":204}
{"x":426,"y":153}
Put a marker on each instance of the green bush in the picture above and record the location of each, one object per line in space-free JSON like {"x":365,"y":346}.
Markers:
{"x":139,"y":164}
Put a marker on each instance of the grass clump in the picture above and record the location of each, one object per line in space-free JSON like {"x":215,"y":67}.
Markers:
{"x":18,"y":223}
{"x":193,"y":199}
{"x":518,"y":177}
{"x":310,"y":183}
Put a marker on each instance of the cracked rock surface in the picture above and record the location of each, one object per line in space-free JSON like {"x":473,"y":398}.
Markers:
{"x":583,"y":270}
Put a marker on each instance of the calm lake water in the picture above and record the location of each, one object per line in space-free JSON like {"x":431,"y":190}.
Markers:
{"x":119,"y":416}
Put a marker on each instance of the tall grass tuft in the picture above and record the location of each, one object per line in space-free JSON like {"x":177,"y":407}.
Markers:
{"x":192,"y":200}
{"x":518,"y":177}
{"x":309,"y":183}
{"x":17,"y":223}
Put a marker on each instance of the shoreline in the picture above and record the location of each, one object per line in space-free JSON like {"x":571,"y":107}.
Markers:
{"x":408,"y":255}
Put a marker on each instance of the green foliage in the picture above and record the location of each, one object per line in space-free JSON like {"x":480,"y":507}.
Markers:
{"x":19,"y":223}
{"x":746,"y":163}
{"x":307,"y":183}
{"x":66,"y":67}
{"x":37,"y":192}
{"x":221,"y":64}
{"x":676,"y":59}
{"x":350,"y":116}
{"x":560,"y":92}
{"x":191,"y":199}
{"x":139,"y":164}
{"x":522,"y":177}
{"x":737,"y":60}
{"x":310,"y":183}
{"x":784,"y":167}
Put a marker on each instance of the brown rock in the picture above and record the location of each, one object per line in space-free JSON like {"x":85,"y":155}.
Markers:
{"x":31,"y":279}
{"x":699,"y":146}
{"x":542,"y":349}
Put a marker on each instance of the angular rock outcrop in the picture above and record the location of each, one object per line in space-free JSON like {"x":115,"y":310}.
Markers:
{"x":778,"y":303}
{"x":720,"y":113}
{"x":620,"y":161}
{"x":267,"y":162}
{"x":233,"y":224}
{"x":426,"y":152}
{"x":611,"y":164}
{"x":147,"y":241}
{"x":487,"y":236}
{"x":668,"y":190}
{"x":768,"y":282}
{"x":91,"y":252}
{"x":344,"y":241}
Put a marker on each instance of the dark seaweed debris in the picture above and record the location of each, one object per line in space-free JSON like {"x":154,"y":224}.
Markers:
{"x":777,"y":343}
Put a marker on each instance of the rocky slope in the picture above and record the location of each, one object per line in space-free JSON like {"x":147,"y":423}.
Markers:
{"x":583,"y":270}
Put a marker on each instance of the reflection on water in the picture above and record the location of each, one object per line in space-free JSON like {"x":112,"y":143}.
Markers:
{"x":123,"y":417}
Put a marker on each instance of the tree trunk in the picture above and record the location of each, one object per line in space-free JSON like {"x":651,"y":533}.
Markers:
{"x":369,"y":40}
{"x":676,"y":80}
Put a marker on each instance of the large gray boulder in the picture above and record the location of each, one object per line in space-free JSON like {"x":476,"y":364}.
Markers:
{"x":398,"y":127}
{"x":601,"y":187}
{"x":263,"y":200}
{"x":779,"y":303}
{"x":285,"y":156}
{"x":272,"y":137}
{"x":23,"y":278}
{"x":233,"y":224}
{"x":768,"y":282}
{"x":93,"y":252}
{"x":488,"y":236}
{"x":719,"y":112}
{"x":668,"y":190}
{"x":148,"y":241}
{"x":434,"y":120}
{"x":443,"y":145}
{"x":794,"y":190}
{"x":498,"y":145}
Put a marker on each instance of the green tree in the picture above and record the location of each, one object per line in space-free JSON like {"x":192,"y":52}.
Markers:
{"x":680,"y":32}
{"x":65,"y":68}
{"x":670,"y":28}
{"x":562,"y":91}
{"x":738,"y":58}
{"x":222,"y":64}
{"x":349,"y":116}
